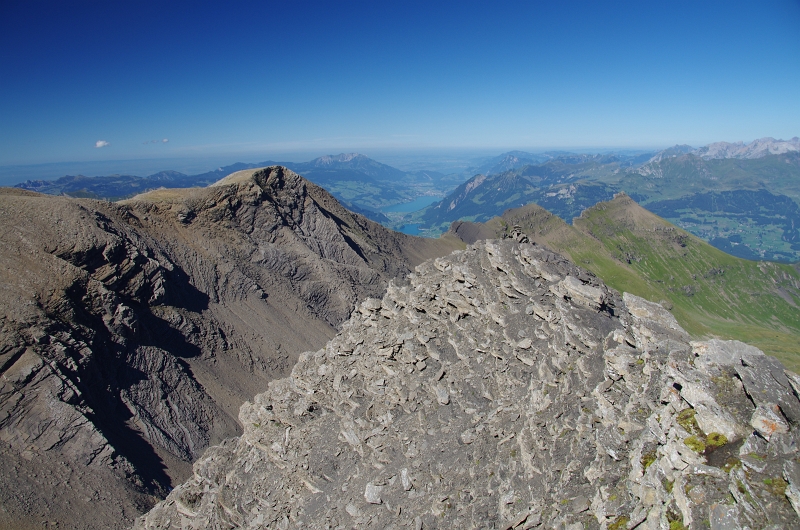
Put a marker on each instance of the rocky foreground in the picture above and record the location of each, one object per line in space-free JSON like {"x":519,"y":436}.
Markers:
{"x":504,"y":387}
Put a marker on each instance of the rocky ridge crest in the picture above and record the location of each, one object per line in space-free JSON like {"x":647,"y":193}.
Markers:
{"x":131,"y":333}
{"x":719,"y":150}
{"x":756,"y":149}
{"x":504,"y":387}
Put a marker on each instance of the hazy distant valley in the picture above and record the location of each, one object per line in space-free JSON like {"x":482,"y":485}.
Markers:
{"x":745,"y":206}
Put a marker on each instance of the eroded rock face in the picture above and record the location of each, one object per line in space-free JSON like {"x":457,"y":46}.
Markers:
{"x":505,"y":387}
{"x":131,"y":334}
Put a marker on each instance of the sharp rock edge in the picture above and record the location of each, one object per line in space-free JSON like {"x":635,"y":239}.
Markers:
{"x":506,"y":388}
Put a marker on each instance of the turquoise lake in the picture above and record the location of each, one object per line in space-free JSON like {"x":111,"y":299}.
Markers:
{"x":417,"y":204}
{"x":412,"y":230}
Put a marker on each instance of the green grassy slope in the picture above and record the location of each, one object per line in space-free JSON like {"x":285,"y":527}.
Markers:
{"x":740,"y":206}
{"x":712,"y":294}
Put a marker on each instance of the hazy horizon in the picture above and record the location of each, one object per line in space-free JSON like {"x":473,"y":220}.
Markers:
{"x":447,"y":160}
{"x":407,"y":160}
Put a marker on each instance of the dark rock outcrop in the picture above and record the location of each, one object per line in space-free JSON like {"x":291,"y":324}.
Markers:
{"x":505,"y":387}
{"x":131,"y":333}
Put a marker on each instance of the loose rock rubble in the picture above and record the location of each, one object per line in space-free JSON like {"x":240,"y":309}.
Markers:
{"x":504,"y":387}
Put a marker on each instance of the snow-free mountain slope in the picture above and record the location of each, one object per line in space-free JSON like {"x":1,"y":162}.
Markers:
{"x":710,"y":293}
{"x":131,"y":333}
{"x":504,"y":387}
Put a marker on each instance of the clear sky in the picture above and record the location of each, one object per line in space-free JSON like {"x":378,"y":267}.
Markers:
{"x":151,"y":79}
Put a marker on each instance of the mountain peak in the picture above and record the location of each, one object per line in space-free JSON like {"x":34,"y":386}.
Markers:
{"x":508,"y":161}
{"x":756,"y":149}
{"x":674,"y":151}
{"x":327,"y":160}
{"x":133,"y":331}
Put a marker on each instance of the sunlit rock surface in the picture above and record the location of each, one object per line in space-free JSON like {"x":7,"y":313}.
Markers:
{"x":504,"y":387}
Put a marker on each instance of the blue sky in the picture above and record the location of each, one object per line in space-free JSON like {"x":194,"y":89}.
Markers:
{"x":261,"y":80}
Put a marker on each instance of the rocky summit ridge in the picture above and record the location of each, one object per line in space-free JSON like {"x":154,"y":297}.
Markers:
{"x":504,"y":387}
{"x":758,"y":148}
{"x":755,"y":149}
{"x":131,"y":333}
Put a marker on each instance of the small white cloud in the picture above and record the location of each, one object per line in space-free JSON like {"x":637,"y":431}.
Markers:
{"x":165,"y":140}
{"x":101,"y":143}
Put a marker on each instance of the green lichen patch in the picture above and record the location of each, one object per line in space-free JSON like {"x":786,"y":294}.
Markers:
{"x":675,"y":521}
{"x":776,"y":486}
{"x":648,"y":458}
{"x":620,"y":523}
{"x":695,"y":443}
{"x":715,"y":440}
{"x":686,"y":419}
{"x":698,"y":441}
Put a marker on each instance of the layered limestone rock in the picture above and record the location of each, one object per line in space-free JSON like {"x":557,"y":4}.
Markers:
{"x":504,"y":387}
{"x":130,"y":334}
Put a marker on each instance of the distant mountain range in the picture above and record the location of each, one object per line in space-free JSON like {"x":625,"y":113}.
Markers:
{"x":511,"y":160}
{"x":351,"y":162}
{"x":755,"y":149}
{"x":362,"y":184}
{"x":721,"y":150}
{"x":518,"y":159}
{"x":566,"y":185}
{"x":116,"y":187}
{"x":742,"y":198}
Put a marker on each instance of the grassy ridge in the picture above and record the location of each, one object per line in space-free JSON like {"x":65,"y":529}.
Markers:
{"x":712,"y":294}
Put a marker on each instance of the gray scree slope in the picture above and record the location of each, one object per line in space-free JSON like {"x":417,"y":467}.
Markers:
{"x":505,"y":387}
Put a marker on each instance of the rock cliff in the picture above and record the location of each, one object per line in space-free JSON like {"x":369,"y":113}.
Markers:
{"x":756,"y":149}
{"x":130,"y":334}
{"x":504,"y":387}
